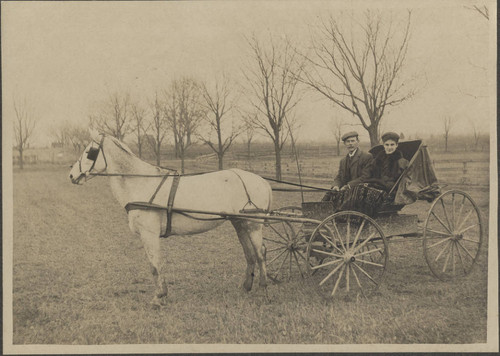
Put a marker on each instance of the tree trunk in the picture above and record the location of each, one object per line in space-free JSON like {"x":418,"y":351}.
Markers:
{"x":446,"y":143}
{"x":338,"y":148}
{"x":373,"y":132}
{"x":158,"y":147}
{"x":21,"y":159}
{"x":277,"y":152}
{"x":182,"y":163}
{"x":220,"y":156}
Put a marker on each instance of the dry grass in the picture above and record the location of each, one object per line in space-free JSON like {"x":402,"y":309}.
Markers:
{"x":81,"y":277}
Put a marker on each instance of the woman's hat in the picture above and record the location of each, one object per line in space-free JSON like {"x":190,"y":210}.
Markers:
{"x":390,"y":136}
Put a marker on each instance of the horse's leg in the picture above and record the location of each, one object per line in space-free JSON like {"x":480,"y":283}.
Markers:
{"x":148,"y":228}
{"x":152,"y":247}
{"x":248,"y":249}
{"x":254,"y":230}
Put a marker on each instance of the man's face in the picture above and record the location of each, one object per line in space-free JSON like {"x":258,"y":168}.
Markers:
{"x":351,"y":143}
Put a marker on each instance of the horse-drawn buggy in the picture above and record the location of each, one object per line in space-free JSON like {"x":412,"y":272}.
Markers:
{"x":340,"y":246}
{"x":345,"y":248}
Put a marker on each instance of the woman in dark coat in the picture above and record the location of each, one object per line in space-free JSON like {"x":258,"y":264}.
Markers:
{"x":389,"y":163}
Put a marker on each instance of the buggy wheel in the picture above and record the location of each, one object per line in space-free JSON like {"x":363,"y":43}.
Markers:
{"x":347,"y":254}
{"x":453,"y":235}
{"x":285,"y":247}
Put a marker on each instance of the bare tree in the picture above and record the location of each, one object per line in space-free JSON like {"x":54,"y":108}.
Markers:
{"x":183,"y":113}
{"x":140,"y":124}
{"x":273,"y":80}
{"x":218,"y":105}
{"x":337,"y":132}
{"x":79,"y":137}
{"x":159,"y":126}
{"x":24,"y":127}
{"x":448,"y":124}
{"x":114,"y":116}
{"x":476,"y":134}
{"x":249,"y":130}
{"x":361,"y":75}
{"x":61,"y":134}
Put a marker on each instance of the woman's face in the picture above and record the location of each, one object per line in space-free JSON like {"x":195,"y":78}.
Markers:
{"x":390,"y":146}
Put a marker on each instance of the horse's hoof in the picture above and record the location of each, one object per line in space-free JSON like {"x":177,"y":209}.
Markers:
{"x":158,"y":303}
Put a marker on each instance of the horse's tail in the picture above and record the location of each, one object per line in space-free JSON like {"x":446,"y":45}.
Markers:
{"x":257,"y":189}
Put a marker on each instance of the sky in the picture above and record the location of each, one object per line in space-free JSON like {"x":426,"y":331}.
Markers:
{"x":65,"y":57}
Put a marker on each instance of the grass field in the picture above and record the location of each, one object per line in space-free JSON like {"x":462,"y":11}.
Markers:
{"x":81,"y":277}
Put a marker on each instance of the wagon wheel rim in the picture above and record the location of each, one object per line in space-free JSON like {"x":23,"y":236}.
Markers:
{"x":453,"y":235}
{"x":285,"y":249}
{"x":347,"y":254}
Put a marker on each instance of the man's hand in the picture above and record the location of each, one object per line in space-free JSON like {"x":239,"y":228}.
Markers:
{"x":345,"y":187}
{"x":335,"y":189}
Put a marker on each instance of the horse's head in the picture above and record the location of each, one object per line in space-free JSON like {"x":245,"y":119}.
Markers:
{"x":91,"y":159}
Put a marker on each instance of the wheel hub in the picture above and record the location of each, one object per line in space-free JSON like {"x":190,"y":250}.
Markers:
{"x":349,"y":257}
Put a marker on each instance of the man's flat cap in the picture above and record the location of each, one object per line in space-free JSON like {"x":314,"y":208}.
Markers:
{"x":349,"y":134}
{"x":390,"y":136}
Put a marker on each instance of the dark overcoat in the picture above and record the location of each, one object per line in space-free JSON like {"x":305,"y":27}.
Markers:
{"x":387,"y":168}
{"x":354,"y":170}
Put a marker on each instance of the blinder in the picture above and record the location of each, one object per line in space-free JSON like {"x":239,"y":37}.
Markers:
{"x":92,"y":153}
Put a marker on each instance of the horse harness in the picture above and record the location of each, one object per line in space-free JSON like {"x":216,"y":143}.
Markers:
{"x":93,"y":153}
{"x":150,"y":205}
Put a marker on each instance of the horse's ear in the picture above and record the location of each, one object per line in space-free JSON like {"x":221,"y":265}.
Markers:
{"x":94,"y":134}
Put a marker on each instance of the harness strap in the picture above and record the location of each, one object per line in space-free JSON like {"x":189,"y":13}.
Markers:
{"x":158,"y":188}
{"x":170,"y":204}
{"x":249,"y":202}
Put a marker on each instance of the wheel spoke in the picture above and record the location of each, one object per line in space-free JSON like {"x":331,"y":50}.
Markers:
{"x":441,"y":222}
{"x":347,"y":278}
{"x":465,"y":219}
{"x":446,"y":216}
{"x":453,"y":258}
{"x":273,"y":241}
{"x":327,"y":253}
{"x":276,"y":257}
{"x":440,"y":253}
{"x":340,"y":236}
{"x":461,"y":208}
{"x":447,"y":257}
{"x":338,"y":280}
{"x":453,"y":210}
{"x":365,"y":273}
{"x":359,"y":232}
{"x":278,"y":233}
{"x":465,"y":249}
{"x":474,"y":241}
{"x":361,"y":245}
{"x":326,"y":264}
{"x":368,"y":252}
{"x":468,"y":228}
{"x":439,"y":242}
{"x":334,"y":245}
{"x":369,"y":262}
{"x":439,"y":232}
{"x":357,"y":279}
{"x":330,"y":274}
{"x":348,"y":233}
{"x":324,"y":237}
{"x":279,"y":269}
{"x":276,"y":249}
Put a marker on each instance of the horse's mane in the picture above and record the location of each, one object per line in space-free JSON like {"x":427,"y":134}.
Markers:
{"x":121,"y":145}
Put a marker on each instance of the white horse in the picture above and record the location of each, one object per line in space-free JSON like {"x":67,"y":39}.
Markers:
{"x":228,"y":191}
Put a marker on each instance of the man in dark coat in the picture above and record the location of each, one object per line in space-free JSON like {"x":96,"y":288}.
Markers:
{"x":354,"y":168}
